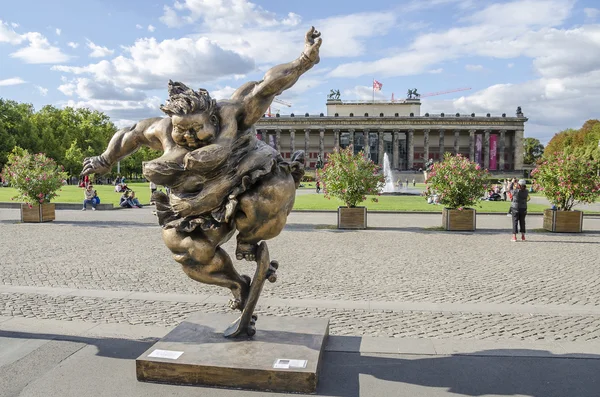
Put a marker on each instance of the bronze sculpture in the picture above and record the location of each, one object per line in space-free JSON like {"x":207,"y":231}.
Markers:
{"x":334,"y":95}
{"x":221,"y":178}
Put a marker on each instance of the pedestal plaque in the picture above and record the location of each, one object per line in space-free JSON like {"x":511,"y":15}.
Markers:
{"x":284,"y":355}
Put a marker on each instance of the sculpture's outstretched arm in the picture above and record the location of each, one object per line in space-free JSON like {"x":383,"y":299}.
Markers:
{"x":257,"y":96}
{"x":125,"y":142}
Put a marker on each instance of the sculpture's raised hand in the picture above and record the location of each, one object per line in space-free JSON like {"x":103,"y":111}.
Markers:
{"x":312,"y":43}
{"x":95,"y":165}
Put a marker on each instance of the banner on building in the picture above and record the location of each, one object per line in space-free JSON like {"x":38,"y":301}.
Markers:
{"x":478,"y":149}
{"x":493,"y":152}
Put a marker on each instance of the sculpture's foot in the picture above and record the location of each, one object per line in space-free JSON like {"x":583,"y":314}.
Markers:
{"x":245,"y":251}
{"x":238,"y":302}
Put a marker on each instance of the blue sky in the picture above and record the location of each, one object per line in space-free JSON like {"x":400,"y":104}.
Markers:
{"x":117,"y":56}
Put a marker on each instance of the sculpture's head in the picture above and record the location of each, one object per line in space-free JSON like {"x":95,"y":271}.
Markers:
{"x":194,"y":116}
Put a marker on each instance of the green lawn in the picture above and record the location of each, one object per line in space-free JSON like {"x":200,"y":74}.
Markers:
{"x":74,"y":194}
{"x":400,"y":203}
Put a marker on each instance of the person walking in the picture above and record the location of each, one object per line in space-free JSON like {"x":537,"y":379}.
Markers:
{"x":518,"y":206}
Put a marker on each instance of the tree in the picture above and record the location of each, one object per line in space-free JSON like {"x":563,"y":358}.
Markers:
{"x":73,"y":158}
{"x":533,"y":150}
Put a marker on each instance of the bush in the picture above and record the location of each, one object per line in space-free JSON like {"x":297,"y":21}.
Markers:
{"x":350,"y":177}
{"x":458,"y":182}
{"x":567,"y":180}
{"x":37,"y":178}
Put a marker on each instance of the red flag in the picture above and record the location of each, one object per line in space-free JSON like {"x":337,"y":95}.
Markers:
{"x":377,"y":85}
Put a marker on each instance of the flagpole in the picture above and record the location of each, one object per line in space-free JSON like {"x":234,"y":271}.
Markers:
{"x":373,"y":90}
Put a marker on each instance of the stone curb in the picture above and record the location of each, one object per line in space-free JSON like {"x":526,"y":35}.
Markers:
{"x":59,"y":329}
{"x":496,"y":308}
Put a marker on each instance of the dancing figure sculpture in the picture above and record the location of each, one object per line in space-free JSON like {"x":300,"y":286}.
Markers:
{"x":221,"y":179}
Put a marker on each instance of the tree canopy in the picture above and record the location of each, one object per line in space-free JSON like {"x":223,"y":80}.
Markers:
{"x":65,"y":134}
{"x":533,"y":150}
{"x":580,"y":143}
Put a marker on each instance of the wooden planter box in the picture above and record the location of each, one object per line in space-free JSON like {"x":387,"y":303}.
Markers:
{"x":352,"y":218}
{"x":563,"y":221}
{"x":458,"y":220}
{"x":38,"y":213}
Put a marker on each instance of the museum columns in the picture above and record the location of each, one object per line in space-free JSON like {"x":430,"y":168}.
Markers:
{"x":410,"y":144}
{"x":425,"y":145}
{"x":292,"y":142}
{"x":442,"y":147}
{"x":306,"y":142}
{"x":351,"y":137}
{"x":366,"y":146}
{"x":456,"y":142}
{"x":336,"y":139}
{"x":395,"y":152}
{"x":322,"y":144}
{"x":472,"y":145}
{"x":278,"y":140}
{"x":501,"y":147}
{"x":519,"y":150}
{"x":380,"y":146}
{"x":486,"y":149}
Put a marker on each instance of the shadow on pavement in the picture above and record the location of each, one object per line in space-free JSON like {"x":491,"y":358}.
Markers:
{"x":505,"y":372}
{"x":492,"y":372}
{"x":127,"y":349}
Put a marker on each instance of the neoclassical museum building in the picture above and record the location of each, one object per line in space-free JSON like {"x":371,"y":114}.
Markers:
{"x":398,"y":129}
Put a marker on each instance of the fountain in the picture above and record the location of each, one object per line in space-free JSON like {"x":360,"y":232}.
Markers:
{"x":389,"y":187}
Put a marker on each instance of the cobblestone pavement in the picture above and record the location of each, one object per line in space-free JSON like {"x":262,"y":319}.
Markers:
{"x":401,"y":259}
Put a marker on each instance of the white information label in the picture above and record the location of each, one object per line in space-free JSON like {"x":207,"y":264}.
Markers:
{"x":284,"y":363}
{"x":170,"y":354}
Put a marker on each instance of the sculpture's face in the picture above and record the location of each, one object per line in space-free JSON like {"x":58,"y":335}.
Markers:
{"x":194,"y":131}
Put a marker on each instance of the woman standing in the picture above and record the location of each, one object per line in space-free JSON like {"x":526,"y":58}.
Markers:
{"x":518,"y":206}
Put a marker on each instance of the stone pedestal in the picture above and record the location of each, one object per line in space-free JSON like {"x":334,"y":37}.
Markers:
{"x":284,"y":355}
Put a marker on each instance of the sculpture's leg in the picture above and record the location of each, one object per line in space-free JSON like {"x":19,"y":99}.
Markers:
{"x":262,"y":212}
{"x":204,"y":261}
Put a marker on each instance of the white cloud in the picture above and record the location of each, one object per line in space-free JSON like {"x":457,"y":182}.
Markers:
{"x":58,"y":31}
{"x":419,"y":5}
{"x":474,"y":68}
{"x":223,"y":93}
{"x":138,"y":26}
{"x":591,"y":13}
{"x":170,"y":17}
{"x":72,"y":44}
{"x":14,"y":24}
{"x":39,"y":50}
{"x":8,"y":34}
{"x":220,"y":14}
{"x":98,"y":51}
{"x":42,"y":91}
{"x":436,"y":71}
{"x":151,"y":28}
{"x":151,"y":64}
{"x":122,"y":110}
{"x":363,"y":92}
{"x":292,"y":19}
{"x":488,"y":35}
{"x":510,"y":65}
{"x":12,"y":81}
{"x":87,"y":89}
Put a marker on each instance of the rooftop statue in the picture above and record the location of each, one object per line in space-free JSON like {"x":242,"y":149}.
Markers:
{"x":221,"y":179}
{"x":412,"y":94}
{"x":334,"y":95}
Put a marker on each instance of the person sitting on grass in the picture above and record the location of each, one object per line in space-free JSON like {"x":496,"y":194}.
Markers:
{"x":134,"y":200}
{"x":88,"y":197}
{"x":125,"y":201}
